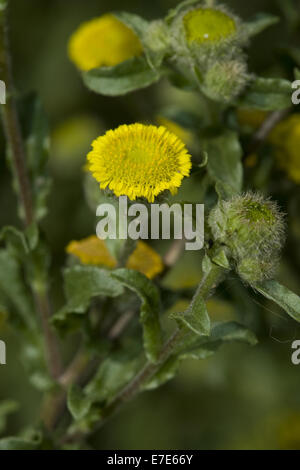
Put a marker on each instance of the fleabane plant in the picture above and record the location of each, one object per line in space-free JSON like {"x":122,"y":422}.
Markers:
{"x":198,"y":45}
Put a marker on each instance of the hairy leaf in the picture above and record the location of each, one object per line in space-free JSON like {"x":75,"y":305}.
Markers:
{"x":82,"y":283}
{"x":282,"y":296}
{"x":260,"y":22}
{"x":267,"y":94}
{"x":224,"y":162}
{"x":131,"y":75}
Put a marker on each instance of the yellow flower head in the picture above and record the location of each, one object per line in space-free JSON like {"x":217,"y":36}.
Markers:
{"x":139,"y":161}
{"x":92,"y":250}
{"x":286,"y":138}
{"x":103,"y":41}
{"x":206,"y":25}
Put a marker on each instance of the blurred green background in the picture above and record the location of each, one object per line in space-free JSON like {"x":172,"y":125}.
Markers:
{"x":242,"y":397}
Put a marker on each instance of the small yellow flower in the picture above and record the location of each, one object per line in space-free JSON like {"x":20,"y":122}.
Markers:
{"x":286,"y":138}
{"x":139,"y":161}
{"x":252,"y":118}
{"x":103,"y":41}
{"x":206,"y":25}
{"x":145,"y":260}
{"x":70,"y":140}
{"x":92,"y":250}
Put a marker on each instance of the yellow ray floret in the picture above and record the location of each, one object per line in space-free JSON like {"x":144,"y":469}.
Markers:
{"x":92,"y":250}
{"x":145,"y":260}
{"x":139,"y":161}
{"x":103,"y":41}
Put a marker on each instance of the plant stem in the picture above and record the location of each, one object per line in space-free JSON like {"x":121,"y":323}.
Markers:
{"x":12,"y":124}
{"x":128,"y":248}
{"x":52,"y":351}
{"x":264,"y":130}
{"x":16,"y":147}
{"x":209,"y":282}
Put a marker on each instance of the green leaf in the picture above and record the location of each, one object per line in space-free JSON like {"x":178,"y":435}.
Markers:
{"x":78,"y":404}
{"x":233,"y":331}
{"x":114,"y":373}
{"x":260,"y":22}
{"x":150,"y":308}
{"x":131,"y":75}
{"x":282,"y":296}
{"x":220,"y":258}
{"x":267,"y":94}
{"x":224,"y":162}
{"x":138,"y":24}
{"x":35,"y":129}
{"x":15,"y":238}
{"x":195,"y":318}
{"x":221,"y":333}
{"x":82,"y":283}
{"x":13,"y":292}
{"x":166,"y":373}
{"x":7,"y":407}
{"x":201,"y":348}
{"x":18,"y":443}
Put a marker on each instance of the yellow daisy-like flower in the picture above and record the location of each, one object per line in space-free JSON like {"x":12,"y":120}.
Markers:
{"x":103,"y":41}
{"x":286,"y":138}
{"x":206,"y":25}
{"x":139,"y":161}
{"x":92,"y":250}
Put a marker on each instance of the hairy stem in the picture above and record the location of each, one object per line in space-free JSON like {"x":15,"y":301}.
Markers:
{"x":264,"y":130}
{"x":209,"y":282}
{"x":11,"y":122}
{"x":16,"y":147}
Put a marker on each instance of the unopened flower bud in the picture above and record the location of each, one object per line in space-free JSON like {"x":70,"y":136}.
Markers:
{"x":252,"y":229}
{"x":207,"y":44}
{"x":225,"y":80}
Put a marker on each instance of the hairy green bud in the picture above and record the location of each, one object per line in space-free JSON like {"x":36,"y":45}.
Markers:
{"x":252,"y":229}
{"x":225,"y":80}
{"x":207,"y":46}
{"x":157,"y":37}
